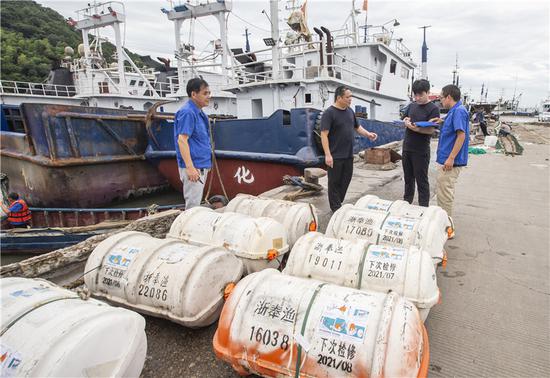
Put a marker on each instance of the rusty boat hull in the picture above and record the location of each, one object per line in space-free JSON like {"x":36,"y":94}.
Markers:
{"x":73,"y":156}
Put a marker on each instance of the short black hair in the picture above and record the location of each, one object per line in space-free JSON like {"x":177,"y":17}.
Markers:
{"x":14,"y":196}
{"x":451,"y":90}
{"x":339,"y":91}
{"x":195,"y":85}
{"x":421,"y":85}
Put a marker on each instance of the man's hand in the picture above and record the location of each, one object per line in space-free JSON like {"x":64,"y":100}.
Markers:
{"x":407,"y":121}
{"x":372,"y":136}
{"x":437,"y":120}
{"x":328,"y":161}
{"x":192,"y":174}
{"x":449,"y":163}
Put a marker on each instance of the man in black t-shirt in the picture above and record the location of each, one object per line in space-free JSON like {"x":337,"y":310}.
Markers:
{"x":338,"y":127}
{"x":416,"y":145}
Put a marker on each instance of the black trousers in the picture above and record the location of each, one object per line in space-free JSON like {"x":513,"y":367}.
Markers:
{"x":339,"y":177}
{"x":415,"y":169}
{"x":483,"y":127}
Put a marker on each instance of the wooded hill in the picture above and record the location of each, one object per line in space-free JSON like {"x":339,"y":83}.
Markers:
{"x":33,"y":38}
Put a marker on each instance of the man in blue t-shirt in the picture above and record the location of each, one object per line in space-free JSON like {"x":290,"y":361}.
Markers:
{"x":452,"y":150}
{"x":192,"y":141}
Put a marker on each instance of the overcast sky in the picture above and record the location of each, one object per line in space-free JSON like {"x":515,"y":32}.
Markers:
{"x":499,"y":43}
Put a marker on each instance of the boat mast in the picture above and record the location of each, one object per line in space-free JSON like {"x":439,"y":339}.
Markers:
{"x":424,"y":54}
{"x":188,"y":11}
{"x":274,"y":13}
{"x":92,"y":20}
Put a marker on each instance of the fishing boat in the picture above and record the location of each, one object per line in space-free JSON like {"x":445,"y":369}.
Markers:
{"x":280,"y":99}
{"x":74,"y":156}
{"x":252,"y":156}
{"x":88,"y":80}
{"x":85,"y":156}
{"x":544,"y":114}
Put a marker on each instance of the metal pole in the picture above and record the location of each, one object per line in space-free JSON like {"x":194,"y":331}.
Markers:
{"x":424,"y":54}
{"x":181,"y":84}
{"x":120,"y":60}
{"x":274,"y":12}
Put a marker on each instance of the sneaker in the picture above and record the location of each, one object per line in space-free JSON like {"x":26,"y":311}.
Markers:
{"x":451,"y":229}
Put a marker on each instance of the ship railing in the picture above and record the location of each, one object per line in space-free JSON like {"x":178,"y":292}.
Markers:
{"x":397,"y":45}
{"x":212,"y":73}
{"x":254,"y":70}
{"x":342,"y":67}
{"x":344,"y":37}
{"x":386,"y":37}
{"x":36,"y":89}
{"x":95,"y":9}
{"x":355,"y":73}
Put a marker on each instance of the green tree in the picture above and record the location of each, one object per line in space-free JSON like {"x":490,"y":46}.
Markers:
{"x":33,"y":37}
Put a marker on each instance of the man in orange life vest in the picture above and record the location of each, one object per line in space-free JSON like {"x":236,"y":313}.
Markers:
{"x":19,"y":215}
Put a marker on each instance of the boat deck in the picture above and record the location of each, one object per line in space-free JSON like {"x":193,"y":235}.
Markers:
{"x":494,"y":317}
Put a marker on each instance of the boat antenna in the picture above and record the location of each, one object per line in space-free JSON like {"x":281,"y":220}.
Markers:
{"x":247,"y":45}
{"x":455,"y":71}
{"x":424,"y":54}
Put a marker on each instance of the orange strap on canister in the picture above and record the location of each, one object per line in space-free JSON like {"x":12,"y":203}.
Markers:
{"x":228,"y":290}
{"x":425,"y":360}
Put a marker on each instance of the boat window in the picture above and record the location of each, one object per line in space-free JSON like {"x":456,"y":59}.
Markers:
{"x":11,"y":119}
{"x":132,"y":82}
{"x":393,"y":66}
{"x":103,"y":87}
{"x":308,"y":98}
{"x":286,"y":118}
{"x":404,"y":73}
{"x":141,"y":83}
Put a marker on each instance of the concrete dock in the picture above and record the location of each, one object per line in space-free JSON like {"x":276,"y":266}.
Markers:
{"x":494,"y":317}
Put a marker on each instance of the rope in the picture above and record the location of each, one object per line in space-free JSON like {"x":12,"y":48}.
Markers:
{"x":304,"y":323}
{"x":361,"y":267}
{"x":249,"y":23}
{"x":34,"y":307}
{"x":215,"y":161}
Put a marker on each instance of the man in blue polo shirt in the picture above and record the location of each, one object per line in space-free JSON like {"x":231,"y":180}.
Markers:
{"x":452,"y":151}
{"x":192,"y":140}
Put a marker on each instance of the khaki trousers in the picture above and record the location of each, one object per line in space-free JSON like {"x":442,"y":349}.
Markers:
{"x":192,"y":191}
{"x":445,"y":190}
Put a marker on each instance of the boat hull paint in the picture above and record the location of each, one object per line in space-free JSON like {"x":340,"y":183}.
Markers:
{"x":72,"y":156}
{"x":253,"y":155}
{"x":42,"y":242}
{"x":237,"y":176}
{"x":54,"y":228}
{"x":80,"y":185}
